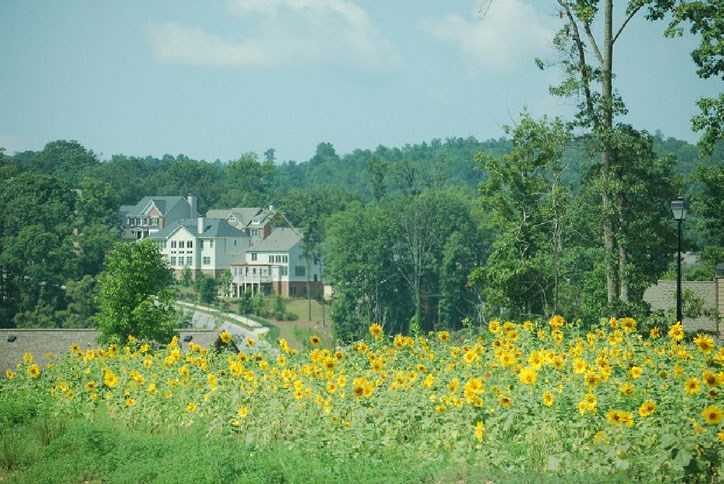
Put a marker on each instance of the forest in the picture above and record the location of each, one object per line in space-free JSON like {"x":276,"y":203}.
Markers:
{"x":429,"y":236}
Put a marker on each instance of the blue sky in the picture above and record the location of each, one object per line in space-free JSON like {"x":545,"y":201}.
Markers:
{"x":217,"y":78}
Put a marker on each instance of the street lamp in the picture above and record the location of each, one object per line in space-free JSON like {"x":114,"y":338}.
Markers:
{"x":678,"y":207}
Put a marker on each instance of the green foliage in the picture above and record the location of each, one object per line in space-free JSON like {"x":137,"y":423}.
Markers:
{"x":529,"y":209}
{"x":187,"y":276}
{"x":135,"y":295}
{"x":206,"y":288}
{"x":246,"y":305}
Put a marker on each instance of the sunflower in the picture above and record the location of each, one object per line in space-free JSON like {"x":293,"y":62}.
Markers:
{"x":479,"y":430}
{"x":712,"y":414}
{"x":528,"y":376}
{"x":225,"y":337}
{"x":34,"y":371}
{"x":709,"y":378}
{"x":692,"y":386}
{"x":443,"y":335}
{"x":90,"y":386}
{"x":314,"y":339}
{"x":547,"y":398}
{"x":629,"y":324}
{"x":647,"y":408}
{"x":705,"y":343}
{"x":9,"y":374}
{"x":191,"y":407}
{"x":110,"y":379}
{"x":376,"y":331}
{"x":676,"y":332}
{"x":494,"y":326}
{"x":619,"y":417}
{"x":636,"y":372}
{"x":242,"y":412}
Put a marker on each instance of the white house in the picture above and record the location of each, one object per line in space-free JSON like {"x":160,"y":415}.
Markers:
{"x":277,"y":265}
{"x":205,"y":245}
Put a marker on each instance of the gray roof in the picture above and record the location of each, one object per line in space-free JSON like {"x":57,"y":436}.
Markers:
{"x":49,"y":344}
{"x":164,"y":204}
{"x":281,"y":239}
{"x":212,"y":228}
{"x":243,"y":215}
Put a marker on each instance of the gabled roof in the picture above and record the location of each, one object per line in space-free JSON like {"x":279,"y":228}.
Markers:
{"x":242,"y":215}
{"x":281,"y":239}
{"x":212,"y":228}
{"x":49,"y":344}
{"x":163,"y":204}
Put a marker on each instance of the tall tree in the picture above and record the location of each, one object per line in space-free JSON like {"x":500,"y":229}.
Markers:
{"x":528,"y":209}
{"x":36,"y":252}
{"x":135,"y":296}
{"x":588,"y":63}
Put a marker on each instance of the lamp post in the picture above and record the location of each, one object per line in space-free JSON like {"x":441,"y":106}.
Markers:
{"x":678,"y":207}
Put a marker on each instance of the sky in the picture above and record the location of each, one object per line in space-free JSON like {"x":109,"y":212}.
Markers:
{"x":220,"y":78}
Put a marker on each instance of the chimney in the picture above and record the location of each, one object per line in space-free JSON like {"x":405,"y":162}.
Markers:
{"x":192,"y":203}
{"x":200,"y":225}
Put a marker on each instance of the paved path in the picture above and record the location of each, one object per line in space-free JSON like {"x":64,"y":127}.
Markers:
{"x":241,"y":328}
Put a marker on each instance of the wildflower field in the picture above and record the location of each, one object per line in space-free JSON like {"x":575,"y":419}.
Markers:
{"x":534,"y":402}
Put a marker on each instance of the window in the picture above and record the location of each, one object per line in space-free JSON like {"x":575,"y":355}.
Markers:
{"x":253,"y":256}
{"x":283,"y":270}
{"x":173,"y":261}
{"x":316,"y":277}
{"x":300,"y":271}
{"x":131,"y":221}
{"x":207,"y":260}
{"x":189,"y":261}
{"x":154,"y":222}
{"x":161,"y":244}
{"x":190,"y":244}
{"x":201,"y":244}
{"x":145,"y":221}
{"x":272,"y":259}
{"x":254,"y":232}
{"x":181,"y":244}
{"x":293,"y":291}
{"x":173,"y":244}
{"x":285,"y":259}
{"x":211,"y":244}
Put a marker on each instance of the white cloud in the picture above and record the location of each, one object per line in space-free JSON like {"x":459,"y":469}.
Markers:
{"x":296,"y":32}
{"x":507,"y":35}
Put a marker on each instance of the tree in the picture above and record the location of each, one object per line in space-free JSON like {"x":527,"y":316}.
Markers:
{"x":246,"y":305}
{"x":135,"y":297}
{"x":225,"y":283}
{"x":359,"y":262}
{"x":36,"y":250}
{"x":527,"y":206}
{"x":206,"y":287}
{"x":588,"y":63}
{"x":187,"y":276}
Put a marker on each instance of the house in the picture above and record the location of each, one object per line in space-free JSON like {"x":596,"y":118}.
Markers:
{"x":254,"y":221}
{"x":204,"y":245}
{"x":277,"y":265}
{"x":152,"y":214}
{"x":47,"y":345}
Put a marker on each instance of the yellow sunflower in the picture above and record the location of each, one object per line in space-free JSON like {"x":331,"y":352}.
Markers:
{"x":712,"y":414}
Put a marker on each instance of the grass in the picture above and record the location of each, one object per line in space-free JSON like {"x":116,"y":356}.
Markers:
{"x":99,"y":450}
